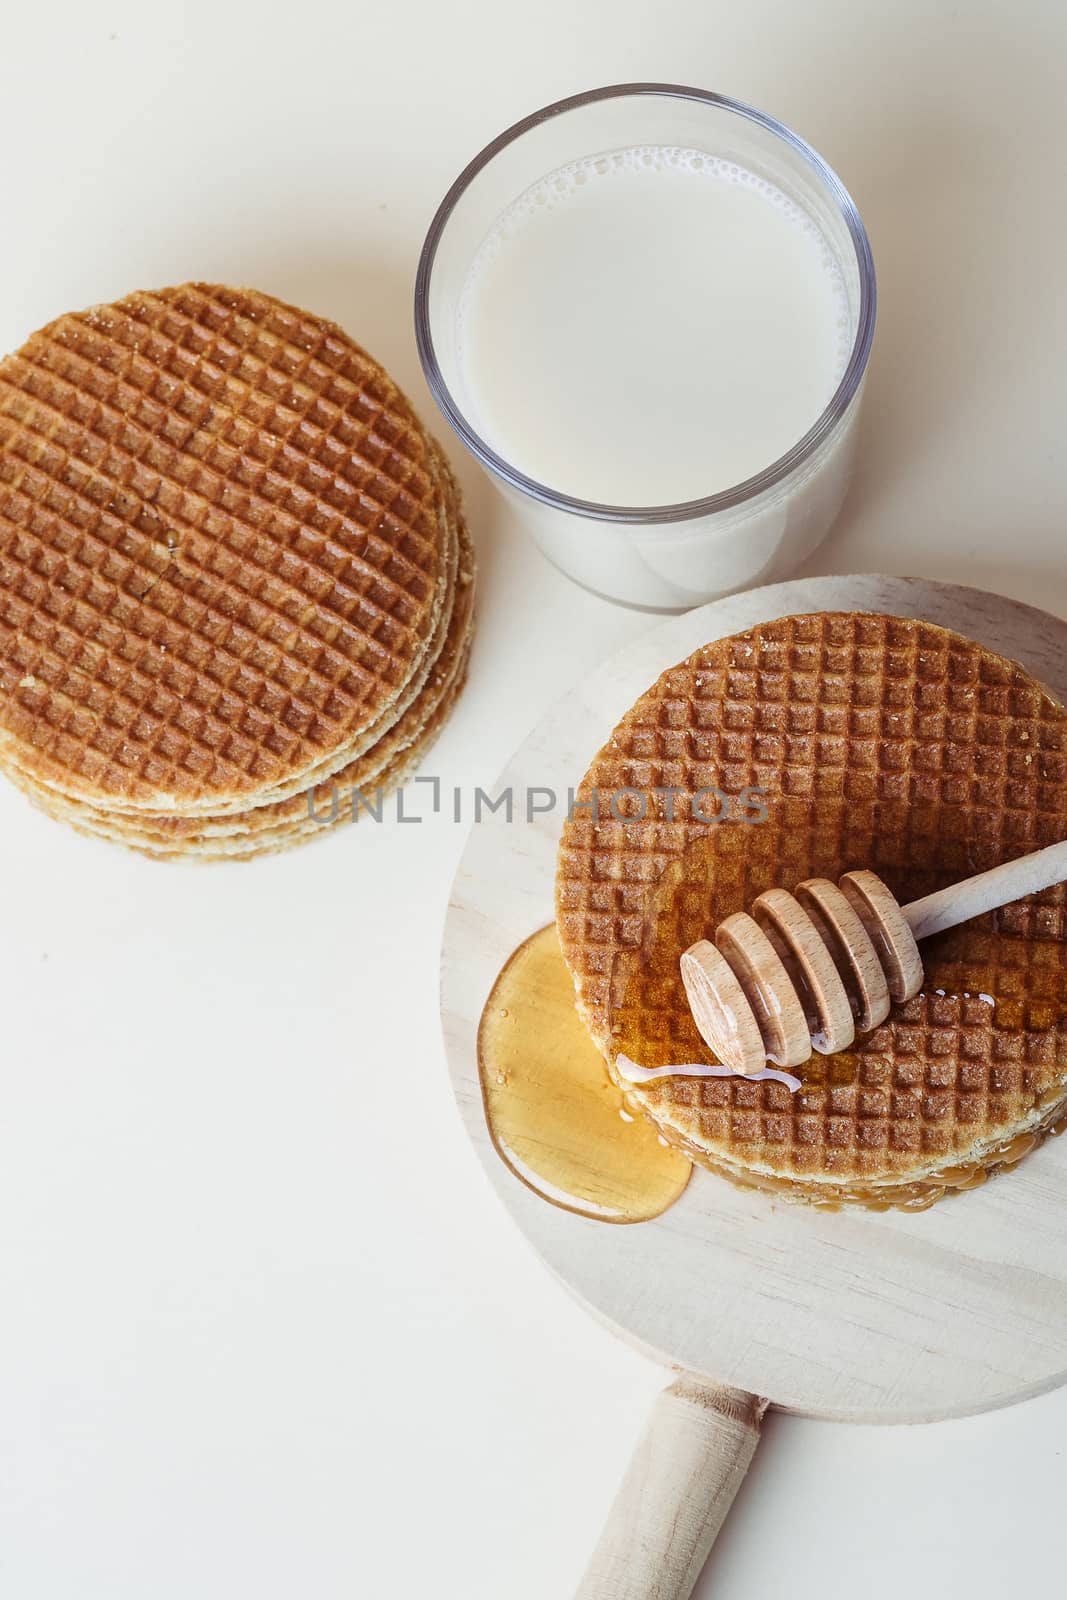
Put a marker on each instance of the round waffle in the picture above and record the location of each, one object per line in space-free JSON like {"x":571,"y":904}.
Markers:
{"x":357,"y":788}
{"x":876,"y":742}
{"x":228,"y":557}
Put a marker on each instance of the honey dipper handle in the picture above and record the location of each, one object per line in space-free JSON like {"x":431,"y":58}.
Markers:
{"x":686,"y":1469}
{"x":999,"y":887}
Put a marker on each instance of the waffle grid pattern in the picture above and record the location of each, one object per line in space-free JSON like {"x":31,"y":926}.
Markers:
{"x":218,"y":545}
{"x":379,"y":773}
{"x":376,"y":772}
{"x":879,"y":742}
{"x":1043,"y":916}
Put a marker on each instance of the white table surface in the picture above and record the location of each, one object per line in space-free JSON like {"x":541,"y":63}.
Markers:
{"x":263,"y":1328}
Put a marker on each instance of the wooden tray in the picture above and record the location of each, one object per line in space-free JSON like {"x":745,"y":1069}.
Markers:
{"x":851,"y":1315}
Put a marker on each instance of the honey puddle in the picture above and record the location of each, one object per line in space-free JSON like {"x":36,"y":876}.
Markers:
{"x":554,"y":1115}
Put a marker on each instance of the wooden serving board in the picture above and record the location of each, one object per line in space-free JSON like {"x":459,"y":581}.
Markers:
{"x":852,"y":1315}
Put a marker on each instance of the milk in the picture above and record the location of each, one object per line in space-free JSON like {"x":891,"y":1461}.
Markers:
{"x":650,"y":326}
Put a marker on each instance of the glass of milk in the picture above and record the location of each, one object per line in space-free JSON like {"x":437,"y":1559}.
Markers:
{"x":647,"y":310}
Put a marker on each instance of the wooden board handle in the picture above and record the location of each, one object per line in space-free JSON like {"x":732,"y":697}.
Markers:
{"x":685,"y":1472}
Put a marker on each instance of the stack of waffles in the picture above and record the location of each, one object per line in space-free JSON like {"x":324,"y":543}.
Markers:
{"x":876,"y":742}
{"x":236,"y":586}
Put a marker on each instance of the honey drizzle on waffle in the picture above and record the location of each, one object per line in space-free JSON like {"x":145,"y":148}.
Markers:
{"x":878,"y":742}
{"x":558,"y":1122}
{"x":555,"y":1117}
{"x":976,"y":1002}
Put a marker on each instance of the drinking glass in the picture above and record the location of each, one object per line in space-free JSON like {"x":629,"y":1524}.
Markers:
{"x":663,"y":557}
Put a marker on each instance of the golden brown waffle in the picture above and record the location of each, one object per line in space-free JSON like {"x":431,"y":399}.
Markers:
{"x":374,"y":775}
{"x":397,"y":771}
{"x":220,"y":551}
{"x":879,"y":742}
{"x":399,"y":726}
{"x":233,"y":568}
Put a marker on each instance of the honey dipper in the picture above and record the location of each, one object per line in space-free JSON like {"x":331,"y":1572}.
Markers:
{"x":813,"y":968}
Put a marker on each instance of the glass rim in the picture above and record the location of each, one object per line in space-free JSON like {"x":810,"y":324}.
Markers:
{"x":708,"y":505}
